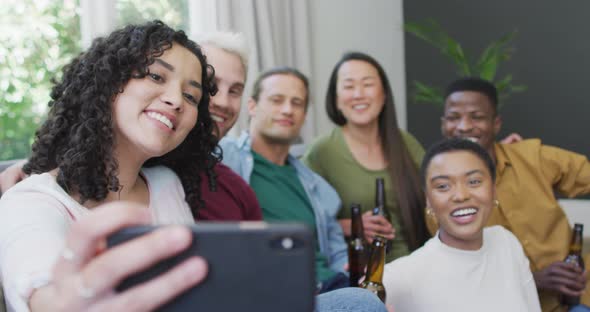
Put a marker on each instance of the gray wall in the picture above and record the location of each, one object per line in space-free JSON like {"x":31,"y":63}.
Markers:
{"x":374,"y":27}
{"x":551,"y":58}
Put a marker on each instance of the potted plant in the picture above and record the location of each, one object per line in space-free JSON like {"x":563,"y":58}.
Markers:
{"x":484,"y":67}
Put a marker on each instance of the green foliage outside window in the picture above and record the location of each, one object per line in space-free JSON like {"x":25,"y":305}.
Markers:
{"x":39,"y":37}
{"x":36,"y":39}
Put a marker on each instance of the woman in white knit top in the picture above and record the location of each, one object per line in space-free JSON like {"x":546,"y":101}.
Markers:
{"x":128,"y":129}
{"x":465,"y":267}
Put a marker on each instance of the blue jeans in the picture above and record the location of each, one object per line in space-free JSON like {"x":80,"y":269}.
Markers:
{"x":350,"y":299}
{"x":340,"y":280}
{"x":580,"y":308}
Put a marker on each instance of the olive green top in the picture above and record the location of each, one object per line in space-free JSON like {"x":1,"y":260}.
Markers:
{"x":330,"y":157}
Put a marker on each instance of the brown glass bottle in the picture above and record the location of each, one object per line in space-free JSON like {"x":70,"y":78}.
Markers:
{"x":357,"y":248}
{"x":574,"y":256}
{"x":380,"y":206}
{"x":374,"y":280}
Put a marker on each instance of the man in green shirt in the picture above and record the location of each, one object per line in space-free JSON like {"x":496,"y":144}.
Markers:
{"x":286,"y":189}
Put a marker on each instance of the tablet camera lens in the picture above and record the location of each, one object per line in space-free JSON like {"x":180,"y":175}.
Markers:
{"x":287,"y":243}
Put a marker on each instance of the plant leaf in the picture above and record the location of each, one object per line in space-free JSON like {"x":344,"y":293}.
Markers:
{"x":431,"y":32}
{"x":428,"y":31}
{"x":496,"y":52}
{"x":486,"y":66}
{"x":427,"y":94}
{"x":455,"y":52}
{"x":503,"y":84}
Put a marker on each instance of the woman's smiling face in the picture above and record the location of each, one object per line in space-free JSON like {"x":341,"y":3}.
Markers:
{"x":460,"y":191}
{"x":155,"y":113}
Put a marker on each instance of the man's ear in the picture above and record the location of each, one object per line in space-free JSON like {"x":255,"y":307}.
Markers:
{"x":251,"y":107}
{"x":442,"y":125}
{"x":497,"y":124}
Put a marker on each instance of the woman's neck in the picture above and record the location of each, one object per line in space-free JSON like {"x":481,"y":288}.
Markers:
{"x":470,"y":245}
{"x":131,"y":186}
{"x":365,"y":146}
{"x":128,"y":175}
{"x":365,"y":135}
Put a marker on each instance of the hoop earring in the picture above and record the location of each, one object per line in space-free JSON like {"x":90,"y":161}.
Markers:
{"x":431,"y":215}
{"x":496,"y":203}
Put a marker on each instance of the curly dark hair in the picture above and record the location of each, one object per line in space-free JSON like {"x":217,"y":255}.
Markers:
{"x":78,"y":137}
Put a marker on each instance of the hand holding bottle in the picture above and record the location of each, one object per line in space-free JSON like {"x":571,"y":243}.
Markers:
{"x":377,"y":225}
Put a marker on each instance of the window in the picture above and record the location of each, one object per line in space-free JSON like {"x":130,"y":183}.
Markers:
{"x":172,"y":12}
{"x":36,"y":39}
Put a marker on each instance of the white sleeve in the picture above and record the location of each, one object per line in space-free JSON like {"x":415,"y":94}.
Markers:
{"x":167,"y":198}
{"x":529,"y":288}
{"x":32,"y":233}
{"x":528,"y":284}
{"x":397,"y":290}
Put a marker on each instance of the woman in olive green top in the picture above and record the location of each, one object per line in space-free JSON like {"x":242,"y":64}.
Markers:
{"x":369,"y":145}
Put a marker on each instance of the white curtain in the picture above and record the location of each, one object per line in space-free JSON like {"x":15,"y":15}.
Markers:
{"x":278,"y":34}
{"x":97,"y":18}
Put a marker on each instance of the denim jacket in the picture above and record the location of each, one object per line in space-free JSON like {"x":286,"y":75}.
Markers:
{"x":324,"y":199}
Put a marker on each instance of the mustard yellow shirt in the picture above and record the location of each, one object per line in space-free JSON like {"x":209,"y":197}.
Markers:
{"x":528,"y":175}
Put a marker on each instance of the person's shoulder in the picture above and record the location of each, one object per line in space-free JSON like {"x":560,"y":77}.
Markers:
{"x":225,"y":173}
{"x":415,"y":260}
{"x":413,"y":145}
{"x":496,"y":230}
{"x":326,"y":139}
{"x":161,"y":179}
{"x":323,"y":186}
{"x":157,"y":171}
{"x":35,"y":183}
{"x":522,"y":146}
{"x":501,"y":236}
{"x":228,"y":143}
{"x":409,"y":139}
{"x":323,"y":143}
{"x":407,"y":136}
{"x":401,"y":264}
{"x":525,"y":151}
{"x":235,"y":142}
{"x":400,"y":273}
{"x":236,"y":151}
{"x":36,"y":194}
{"x":159,"y":174}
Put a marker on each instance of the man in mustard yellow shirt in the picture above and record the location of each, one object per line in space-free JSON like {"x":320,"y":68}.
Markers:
{"x":529,"y":173}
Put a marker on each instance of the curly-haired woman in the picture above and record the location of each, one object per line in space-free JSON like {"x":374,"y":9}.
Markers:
{"x":128,"y":121}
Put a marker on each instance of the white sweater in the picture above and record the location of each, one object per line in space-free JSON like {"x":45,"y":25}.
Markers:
{"x":35,"y":216}
{"x":438,"y":277}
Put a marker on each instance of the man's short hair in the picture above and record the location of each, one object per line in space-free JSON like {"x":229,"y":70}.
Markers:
{"x":231,"y":42}
{"x":475,"y":84}
{"x":283,"y":70}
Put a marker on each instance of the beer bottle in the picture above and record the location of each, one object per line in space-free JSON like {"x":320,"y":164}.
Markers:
{"x":380,"y":206}
{"x":374,"y":279}
{"x":574,"y":256}
{"x":357,"y":251}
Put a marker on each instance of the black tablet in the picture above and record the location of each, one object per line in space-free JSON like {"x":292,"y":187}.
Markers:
{"x":253,"y":266}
